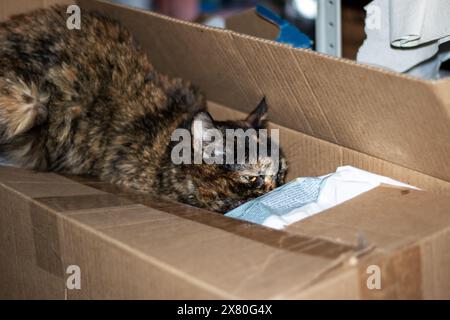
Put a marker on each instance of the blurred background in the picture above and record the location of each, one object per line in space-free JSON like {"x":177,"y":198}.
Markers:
{"x":301,"y":13}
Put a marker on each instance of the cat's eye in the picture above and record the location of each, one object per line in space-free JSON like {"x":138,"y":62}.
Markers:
{"x":254,"y":179}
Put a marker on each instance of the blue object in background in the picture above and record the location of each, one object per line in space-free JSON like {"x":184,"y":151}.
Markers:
{"x":289,"y":34}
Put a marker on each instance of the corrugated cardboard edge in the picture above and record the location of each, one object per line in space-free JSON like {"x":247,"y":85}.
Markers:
{"x":93,"y":6}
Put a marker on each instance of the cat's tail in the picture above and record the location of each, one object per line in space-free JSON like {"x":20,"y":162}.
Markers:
{"x":22,"y":107}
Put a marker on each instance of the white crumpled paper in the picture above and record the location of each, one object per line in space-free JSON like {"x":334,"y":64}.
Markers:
{"x":305,"y":197}
{"x":409,"y":36}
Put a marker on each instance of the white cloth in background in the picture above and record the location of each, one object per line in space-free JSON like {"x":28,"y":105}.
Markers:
{"x":418,"y":22}
{"x":305,"y":197}
{"x":216,"y":22}
{"x":407,"y":36}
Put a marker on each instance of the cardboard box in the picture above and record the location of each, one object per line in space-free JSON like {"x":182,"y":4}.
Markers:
{"x":330,"y":112}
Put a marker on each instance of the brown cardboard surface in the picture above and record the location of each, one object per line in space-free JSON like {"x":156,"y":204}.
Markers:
{"x":175,"y":248}
{"x":387,"y":217}
{"x":435,"y":253}
{"x":309,"y":156}
{"x":383,"y":114}
{"x":402,"y":275}
{"x":179,"y":249}
{"x":330,"y":112}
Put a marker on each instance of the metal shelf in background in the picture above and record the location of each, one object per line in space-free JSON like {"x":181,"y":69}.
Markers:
{"x":329,"y":27}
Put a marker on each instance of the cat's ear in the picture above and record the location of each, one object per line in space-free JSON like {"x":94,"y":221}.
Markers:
{"x":258,"y":117}
{"x":202,"y":127}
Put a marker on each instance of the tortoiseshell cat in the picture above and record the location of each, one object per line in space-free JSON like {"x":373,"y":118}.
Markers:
{"x":88,"y":102}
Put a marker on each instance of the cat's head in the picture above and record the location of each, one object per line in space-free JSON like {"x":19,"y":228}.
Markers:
{"x":234,"y":174}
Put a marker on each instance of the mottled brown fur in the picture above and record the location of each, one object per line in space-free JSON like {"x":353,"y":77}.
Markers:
{"x":89,"y":102}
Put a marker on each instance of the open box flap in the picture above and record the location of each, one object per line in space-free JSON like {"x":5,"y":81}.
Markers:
{"x":390,"y":116}
{"x":385,"y":217}
{"x":212,"y":256}
{"x":412,"y":227}
{"x":194,"y":254}
{"x":310,"y":157}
